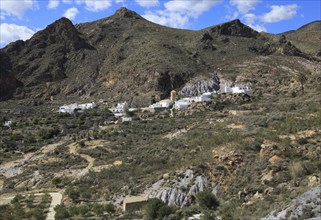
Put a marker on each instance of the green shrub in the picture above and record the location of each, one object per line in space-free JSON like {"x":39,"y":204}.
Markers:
{"x":73,"y":194}
{"x":61,"y":212}
{"x":56,"y":181}
{"x":165,"y":211}
{"x":207,"y":201}
{"x":302,"y":141}
{"x":110,"y":208}
{"x":152,"y":207}
{"x":157,"y":209}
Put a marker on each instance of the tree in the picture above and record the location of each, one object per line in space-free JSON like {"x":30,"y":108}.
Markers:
{"x":302,"y":78}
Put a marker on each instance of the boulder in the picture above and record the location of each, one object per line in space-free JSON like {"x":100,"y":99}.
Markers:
{"x":275,"y":159}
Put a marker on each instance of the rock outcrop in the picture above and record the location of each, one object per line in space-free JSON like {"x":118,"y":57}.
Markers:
{"x":180,"y":190}
{"x":235,"y":28}
{"x":306,"y":206}
{"x":199,"y":86}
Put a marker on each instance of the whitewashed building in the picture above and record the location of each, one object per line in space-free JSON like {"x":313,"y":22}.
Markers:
{"x":76,"y":107}
{"x":242,"y":89}
{"x":166,"y":103}
{"x":237,"y":89}
{"x":181,"y":104}
{"x":7,"y":124}
{"x":120,"y":110}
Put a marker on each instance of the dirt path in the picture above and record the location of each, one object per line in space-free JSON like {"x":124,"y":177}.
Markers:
{"x":73,"y":149}
{"x":56,"y":200}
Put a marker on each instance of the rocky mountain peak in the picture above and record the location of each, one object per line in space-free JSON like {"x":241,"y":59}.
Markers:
{"x":61,"y":31}
{"x":126,"y":13}
{"x":235,"y":28}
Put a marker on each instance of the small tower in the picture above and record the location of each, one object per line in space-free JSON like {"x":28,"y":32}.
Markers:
{"x":173,"y":95}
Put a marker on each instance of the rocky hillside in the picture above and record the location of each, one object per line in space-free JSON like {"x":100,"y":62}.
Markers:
{"x":7,"y":80}
{"x":306,"y":206}
{"x":307,"y":38}
{"x":125,"y":57}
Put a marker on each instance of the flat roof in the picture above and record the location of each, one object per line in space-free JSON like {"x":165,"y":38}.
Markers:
{"x":134,"y":199}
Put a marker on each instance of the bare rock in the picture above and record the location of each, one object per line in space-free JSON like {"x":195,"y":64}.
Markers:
{"x":275,"y":159}
{"x":267,"y":178}
{"x":313,"y":180}
{"x":306,"y":206}
{"x":181,"y":191}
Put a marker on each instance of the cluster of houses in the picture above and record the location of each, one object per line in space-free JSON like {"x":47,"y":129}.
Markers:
{"x":121,"y":110}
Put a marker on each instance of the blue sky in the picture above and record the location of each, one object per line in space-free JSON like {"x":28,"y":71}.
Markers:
{"x":20,"y":19}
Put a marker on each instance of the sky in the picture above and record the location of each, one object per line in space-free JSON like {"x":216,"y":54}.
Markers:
{"x":20,"y":19}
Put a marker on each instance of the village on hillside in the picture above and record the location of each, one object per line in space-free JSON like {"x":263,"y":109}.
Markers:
{"x":122,"y":110}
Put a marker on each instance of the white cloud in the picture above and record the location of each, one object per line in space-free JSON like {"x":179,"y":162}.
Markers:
{"x":71,"y":13}
{"x":67,"y":1}
{"x":177,"y":13}
{"x":95,"y":5}
{"x":148,"y":3}
{"x":13,"y":32}
{"x":53,"y":4}
{"x":244,"y":6}
{"x":258,"y":27}
{"x":279,"y":13}
{"x":166,"y":18}
{"x":192,"y":8}
{"x":17,"y":8}
{"x":251,"y":19}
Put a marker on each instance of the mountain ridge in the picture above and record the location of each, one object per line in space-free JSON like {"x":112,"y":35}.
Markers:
{"x":126,"y":57}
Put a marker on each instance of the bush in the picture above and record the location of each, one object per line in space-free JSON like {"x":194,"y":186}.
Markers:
{"x":73,"y":194}
{"x":152,"y":208}
{"x":302,"y":141}
{"x":296,"y":170}
{"x":110,"y":208}
{"x":165,"y":211}
{"x":61,"y":212}
{"x":157,"y":209}
{"x":56,"y":181}
{"x":207,"y":201}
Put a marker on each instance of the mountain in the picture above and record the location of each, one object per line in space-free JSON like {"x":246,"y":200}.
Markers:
{"x":307,"y":38}
{"x":125,"y":57}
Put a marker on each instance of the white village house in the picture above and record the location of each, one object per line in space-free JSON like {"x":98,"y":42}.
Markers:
{"x":181,"y":104}
{"x":166,"y":103}
{"x":237,"y":89}
{"x":120,"y":110}
{"x":7,"y":124}
{"x":72,"y":108}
